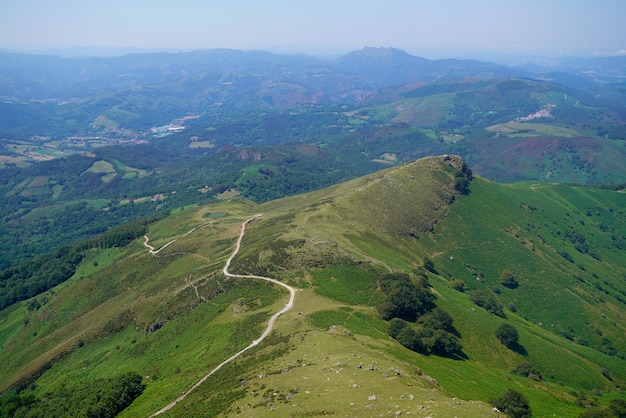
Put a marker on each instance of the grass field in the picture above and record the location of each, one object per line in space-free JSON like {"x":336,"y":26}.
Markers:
{"x":517,"y":130}
{"x":173,"y":316}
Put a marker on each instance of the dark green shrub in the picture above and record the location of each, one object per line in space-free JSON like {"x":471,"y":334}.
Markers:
{"x":403,"y":297}
{"x":458,"y":285}
{"x":528,"y":370}
{"x":443,"y":343}
{"x":410,"y":338}
{"x":507,"y":279}
{"x":395,"y":326}
{"x":513,"y":404}
{"x":429,"y":265}
{"x":437,"y":319}
{"x":618,"y":407}
{"x":487,"y":302}
{"x":507,"y":335}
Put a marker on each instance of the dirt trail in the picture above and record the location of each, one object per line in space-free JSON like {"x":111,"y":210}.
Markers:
{"x":151,"y":249}
{"x":270,"y":324}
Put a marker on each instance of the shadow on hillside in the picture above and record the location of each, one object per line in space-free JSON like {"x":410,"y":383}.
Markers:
{"x":519,"y":349}
{"x":456,"y":355}
{"x":454,"y":332}
{"x":459,"y":355}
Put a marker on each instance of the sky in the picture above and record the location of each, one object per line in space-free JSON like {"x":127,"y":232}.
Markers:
{"x":430,"y":28}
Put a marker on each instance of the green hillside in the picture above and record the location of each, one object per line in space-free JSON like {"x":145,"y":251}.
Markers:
{"x":516,"y":129}
{"x":507,"y":130}
{"x":547,"y":259}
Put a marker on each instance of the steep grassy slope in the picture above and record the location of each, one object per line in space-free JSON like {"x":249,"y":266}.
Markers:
{"x":173,"y":316}
{"x":564,"y":245}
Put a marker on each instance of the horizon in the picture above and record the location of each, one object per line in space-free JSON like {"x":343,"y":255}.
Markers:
{"x":500,"y":57}
{"x":431,"y":29}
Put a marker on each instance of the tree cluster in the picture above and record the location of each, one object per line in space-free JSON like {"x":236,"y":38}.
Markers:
{"x":507,"y":335}
{"x":404,"y":298}
{"x":35,"y":276}
{"x":615,"y":409}
{"x":487,"y":302}
{"x":38,"y":275}
{"x":414,"y":320}
{"x":528,"y":370}
{"x":513,"y":404}
{"x":99,"y":399}
{"x":507,"y":279}
{"x":462,"y":179}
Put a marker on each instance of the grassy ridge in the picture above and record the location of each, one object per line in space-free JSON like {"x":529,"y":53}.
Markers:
{"x":567,"y":312}
{"x":172,"y":316}
{"x":534,"y":230}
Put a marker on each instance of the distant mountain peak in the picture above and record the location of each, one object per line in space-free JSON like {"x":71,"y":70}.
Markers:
{"x":386,"y":66}
{"x":382,"y":50}
{"x":381,"y":54}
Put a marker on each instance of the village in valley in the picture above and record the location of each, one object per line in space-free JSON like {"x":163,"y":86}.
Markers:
{"x":543,"y":113}
{"x":25,"y":152}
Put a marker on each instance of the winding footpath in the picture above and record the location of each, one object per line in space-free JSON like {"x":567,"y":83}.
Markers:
{"x":270,"y":324}
{"x":151,"y":249}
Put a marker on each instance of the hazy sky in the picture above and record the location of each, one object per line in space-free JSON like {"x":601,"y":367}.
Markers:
{"x":426,"y":27}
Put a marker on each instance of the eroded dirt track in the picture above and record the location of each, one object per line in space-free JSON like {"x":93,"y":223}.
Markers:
{"x":268,"y":329}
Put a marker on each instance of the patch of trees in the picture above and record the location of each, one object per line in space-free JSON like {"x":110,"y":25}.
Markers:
{"x":462,"y":179}
{"x":414,"y":320}
{"x":425,"y":336}
{"x":507,"y":279}
{"x":578,"y":240}
{"x":37,"y":275}
{"x":615,"y":409}
{"x":507,"y":335}
{"x":513,"y":404}
{"x":405,"y":298}
{"x":528,"y":370}
{"x":566,"y":255}
{"x":614,"y":131}
{"x":429,"y":265}
{"x":102,"y":398}
{"x":458,"y":285}
{"x":119,"y":236}
{"x":487,"y":302}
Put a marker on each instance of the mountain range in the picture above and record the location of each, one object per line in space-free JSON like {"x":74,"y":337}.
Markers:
{"x":165,"y":130}
{"x":453,"y":231}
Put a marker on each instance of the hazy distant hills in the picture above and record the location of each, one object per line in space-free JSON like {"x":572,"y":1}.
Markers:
{"x":137,"y":91}
{"x":382,"y":66}
{"x":386,"y":67}
{"x":592,"y":70}
{"x":46,"y":75}
{"x":53,"y":96}
{"x":69,"y":77}
{"x":46,"y":95}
